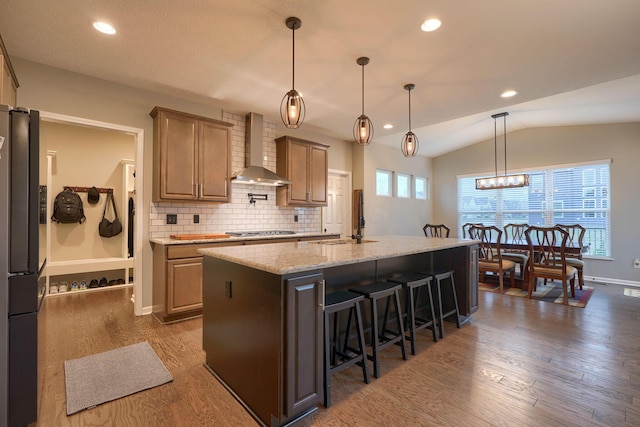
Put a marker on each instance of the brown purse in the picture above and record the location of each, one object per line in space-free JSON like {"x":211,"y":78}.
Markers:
{"x":108,"y":228}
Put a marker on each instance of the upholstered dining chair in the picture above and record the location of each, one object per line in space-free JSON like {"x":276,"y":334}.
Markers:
{"x":514,"y":233}
{"x":490,"y":257}
{"x":550,"y":262}
{"x":576,"y":236}
{"x":439,"y":230}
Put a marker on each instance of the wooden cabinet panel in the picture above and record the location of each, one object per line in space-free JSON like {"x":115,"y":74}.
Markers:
{"x":304,"y":348}
{"x":192,"y":157}
{"x":8,"y":81}
{"x":214,"y":165}
{"x":318,"y":168}
{"x":178,"y":143}
{"x":184,"y":285}
{"x":305,"y":164}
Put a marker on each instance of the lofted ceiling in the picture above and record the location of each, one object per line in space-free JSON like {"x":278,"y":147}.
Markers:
{"x":571,"y":61}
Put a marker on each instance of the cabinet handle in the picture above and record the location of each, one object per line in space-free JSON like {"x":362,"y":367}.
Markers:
{"x":201,"y":190}
{"x":321,"y":304}
{"x":195,"y":190}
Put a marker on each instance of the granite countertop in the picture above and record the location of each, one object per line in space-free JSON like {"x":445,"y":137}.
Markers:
{"x":169,"y":241}
{"x":294,"y":257}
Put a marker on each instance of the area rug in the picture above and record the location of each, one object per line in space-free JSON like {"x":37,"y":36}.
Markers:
{"x":107,"y":376}
{"x":551,"y":292}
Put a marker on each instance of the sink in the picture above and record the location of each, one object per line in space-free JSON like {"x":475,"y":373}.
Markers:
{"x":340,"y":241}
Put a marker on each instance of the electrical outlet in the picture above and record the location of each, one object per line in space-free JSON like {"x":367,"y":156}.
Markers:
{"x":636,"y":263}
{"x":295,"y":218}
{"x":196,"y":219}
{"x":172,"y":218}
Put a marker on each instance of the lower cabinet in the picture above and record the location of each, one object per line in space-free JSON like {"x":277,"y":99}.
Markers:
{"x":262,"y":335}
{"x":184,"y":285}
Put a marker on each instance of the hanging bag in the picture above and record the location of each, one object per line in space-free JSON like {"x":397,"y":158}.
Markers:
{"x":108,"y":228}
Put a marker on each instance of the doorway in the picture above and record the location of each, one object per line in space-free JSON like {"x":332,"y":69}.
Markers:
{"x":138,"y":135}
{"x":336,"y":215}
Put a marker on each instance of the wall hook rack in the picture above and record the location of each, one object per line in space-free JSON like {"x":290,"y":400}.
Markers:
{"x":253,"y":197}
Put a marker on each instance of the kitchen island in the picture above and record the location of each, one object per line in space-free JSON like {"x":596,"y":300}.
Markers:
{"x":262,"y":309}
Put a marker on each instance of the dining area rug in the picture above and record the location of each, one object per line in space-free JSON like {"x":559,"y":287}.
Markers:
{"x":103,"y":377}
{"x":551,"y":292}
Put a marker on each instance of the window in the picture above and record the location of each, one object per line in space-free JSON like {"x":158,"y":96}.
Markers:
{"x":383,"y":183}
{"x":420,"y":188}
{"x":403,"y":183}
{"x":574,"y":194}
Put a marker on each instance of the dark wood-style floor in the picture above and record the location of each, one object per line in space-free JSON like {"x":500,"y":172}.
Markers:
{"x":518,"y":362}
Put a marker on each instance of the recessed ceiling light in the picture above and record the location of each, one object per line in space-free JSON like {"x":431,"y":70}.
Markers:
{"x":431,"y":25}
{"x":508,"y":93}
{"x":103,"y":27}
{"x":388,"y":126}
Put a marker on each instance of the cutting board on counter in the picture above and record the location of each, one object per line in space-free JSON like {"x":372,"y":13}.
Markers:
{"x":198,"y":236}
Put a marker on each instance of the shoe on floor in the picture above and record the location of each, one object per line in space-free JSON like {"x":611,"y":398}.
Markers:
{"x":74,"y":286}
{"x":53,"y":289}
{"x":83,"y":286}
{"x":63,"y":287}
{"x":93,"y":284}
{"x":103,"y":282}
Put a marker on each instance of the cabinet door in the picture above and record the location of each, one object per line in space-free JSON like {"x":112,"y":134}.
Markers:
{"x":214,"y":162}
{"x":304,"y":327}
{"x":318,"y":175}
{"x":7,"y":85}
{"x":298,"y":172}
{"x":178,"y":145}
{"x":184,"y":285}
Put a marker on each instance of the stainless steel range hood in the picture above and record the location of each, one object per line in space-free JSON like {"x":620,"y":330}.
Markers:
{"x":255,"y":173}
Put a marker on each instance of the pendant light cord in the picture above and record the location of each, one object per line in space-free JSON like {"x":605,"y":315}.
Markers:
{"x":363,"y":89}
{"x":495,"y":145}
{"x":293,"y":61}
{"x":409,"y":110}
{"x":504,"y":128}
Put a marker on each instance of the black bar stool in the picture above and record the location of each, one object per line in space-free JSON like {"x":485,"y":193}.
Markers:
{"x":412,"y":284}
{"x":440,"y":275}
{"x":380,"y":339}
{"x":334,"y":304}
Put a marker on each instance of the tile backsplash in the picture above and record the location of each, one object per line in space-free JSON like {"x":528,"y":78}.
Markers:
{"x":239,"y":214}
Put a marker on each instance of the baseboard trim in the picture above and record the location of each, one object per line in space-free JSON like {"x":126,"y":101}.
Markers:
{"x":609,"y":281}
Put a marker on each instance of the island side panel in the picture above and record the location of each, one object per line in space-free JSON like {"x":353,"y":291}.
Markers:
{"x":242,"y":333}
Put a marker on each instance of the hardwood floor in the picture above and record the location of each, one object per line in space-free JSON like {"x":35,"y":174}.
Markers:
{"x":519,"y":362}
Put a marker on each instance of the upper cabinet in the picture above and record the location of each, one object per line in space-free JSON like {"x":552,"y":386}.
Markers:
{"x":9,"y":81}
{"x":191,"y":157}
{"x":305,"y":164}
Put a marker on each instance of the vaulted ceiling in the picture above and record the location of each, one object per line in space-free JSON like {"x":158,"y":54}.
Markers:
{"x":571,"y":61}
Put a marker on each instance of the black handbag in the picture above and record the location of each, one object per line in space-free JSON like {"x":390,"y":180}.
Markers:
{"x":110,"y":228}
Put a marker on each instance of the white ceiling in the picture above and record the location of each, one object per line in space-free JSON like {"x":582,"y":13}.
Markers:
{"x":571,"y":61}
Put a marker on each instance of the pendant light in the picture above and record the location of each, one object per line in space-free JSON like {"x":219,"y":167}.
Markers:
{"x":363,"y":128}
{"x":504,"y":181}
{"x":410,"y":142}
{"x":292,"y":109}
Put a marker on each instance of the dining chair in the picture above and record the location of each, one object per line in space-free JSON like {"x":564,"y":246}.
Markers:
{"x":550,"y":262}
{"x":466,"y":227}
{"x":514,"y":234}
{"x":432,"y":230}
{"x":490,"y":257}
{"x":576,"y":236}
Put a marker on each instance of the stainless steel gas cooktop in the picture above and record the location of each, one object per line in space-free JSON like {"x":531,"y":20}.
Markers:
{"x":259,"y":233}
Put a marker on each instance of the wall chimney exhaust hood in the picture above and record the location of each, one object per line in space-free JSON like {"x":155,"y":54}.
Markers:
{"x":255,"y":173}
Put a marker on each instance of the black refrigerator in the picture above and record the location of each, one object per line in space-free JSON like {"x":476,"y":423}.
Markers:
{"x":21,"y":290}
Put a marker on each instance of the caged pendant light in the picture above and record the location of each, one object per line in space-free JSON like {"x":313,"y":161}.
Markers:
{"x":504,"y":181}
{"x":363,"y":128}
{"x":410,"y":142}
{"x":292,"y":109}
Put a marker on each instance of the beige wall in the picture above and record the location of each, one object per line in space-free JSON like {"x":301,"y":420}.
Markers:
{"x":58,"y":91}
{"x":392,"y":215}
{"x":532,"y":148}
{"x":86,"y":157}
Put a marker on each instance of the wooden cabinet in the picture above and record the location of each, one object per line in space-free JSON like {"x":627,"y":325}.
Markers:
{"x":8,"y":80}
{"x":191,"y":157}
{"x":305,"y":164}
{"x":262,"y":335}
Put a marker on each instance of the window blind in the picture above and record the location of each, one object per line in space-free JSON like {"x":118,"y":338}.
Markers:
{"x":568,"y":194}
